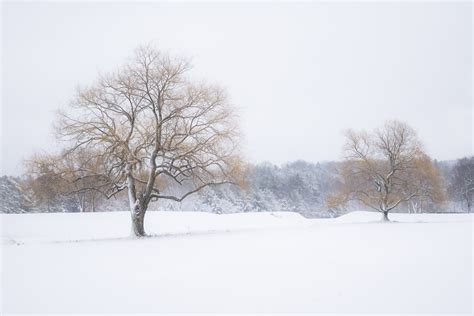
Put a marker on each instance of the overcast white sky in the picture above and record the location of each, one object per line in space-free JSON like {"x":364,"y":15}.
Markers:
{"x":300,"y":73}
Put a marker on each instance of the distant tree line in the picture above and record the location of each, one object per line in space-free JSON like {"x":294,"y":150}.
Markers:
{"x":460,"y":179}
{"x":299,"y":186}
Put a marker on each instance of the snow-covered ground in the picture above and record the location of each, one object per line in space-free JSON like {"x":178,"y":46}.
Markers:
{"x":251,"y":262}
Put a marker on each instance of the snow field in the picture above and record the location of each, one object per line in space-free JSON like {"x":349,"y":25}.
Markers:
{"x":251,"y":262}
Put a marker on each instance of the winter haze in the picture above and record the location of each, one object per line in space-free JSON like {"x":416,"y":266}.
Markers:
{"x":299,"y":73}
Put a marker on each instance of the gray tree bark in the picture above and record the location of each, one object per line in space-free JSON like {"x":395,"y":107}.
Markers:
{"x":138,"y":220}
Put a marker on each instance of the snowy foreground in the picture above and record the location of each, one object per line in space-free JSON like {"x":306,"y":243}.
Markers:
{"x":252,"y":262}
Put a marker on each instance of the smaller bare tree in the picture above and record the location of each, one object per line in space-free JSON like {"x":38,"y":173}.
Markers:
{"x":43,"y":182}
{"x":58,"y":177}
{"x":386,"y":168}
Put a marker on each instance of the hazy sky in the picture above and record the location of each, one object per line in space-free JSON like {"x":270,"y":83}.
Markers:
{"x":300,"y":73}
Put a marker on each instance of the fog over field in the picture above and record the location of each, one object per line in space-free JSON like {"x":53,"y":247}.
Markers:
{"x":236,"y":157}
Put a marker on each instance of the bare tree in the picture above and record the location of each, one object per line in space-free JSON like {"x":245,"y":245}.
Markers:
{"x":462,"y":182}
{"x":147,"y":124}
{"x":386,"y":168}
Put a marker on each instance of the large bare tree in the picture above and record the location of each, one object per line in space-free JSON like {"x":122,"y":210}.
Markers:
{"x":149,"y":125}
{"x":386,"y":168}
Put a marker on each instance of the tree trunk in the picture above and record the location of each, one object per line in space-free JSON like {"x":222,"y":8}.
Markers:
{"x":137,"y":208}
{"x":385,"y":216}
{"x":138,"y":220}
